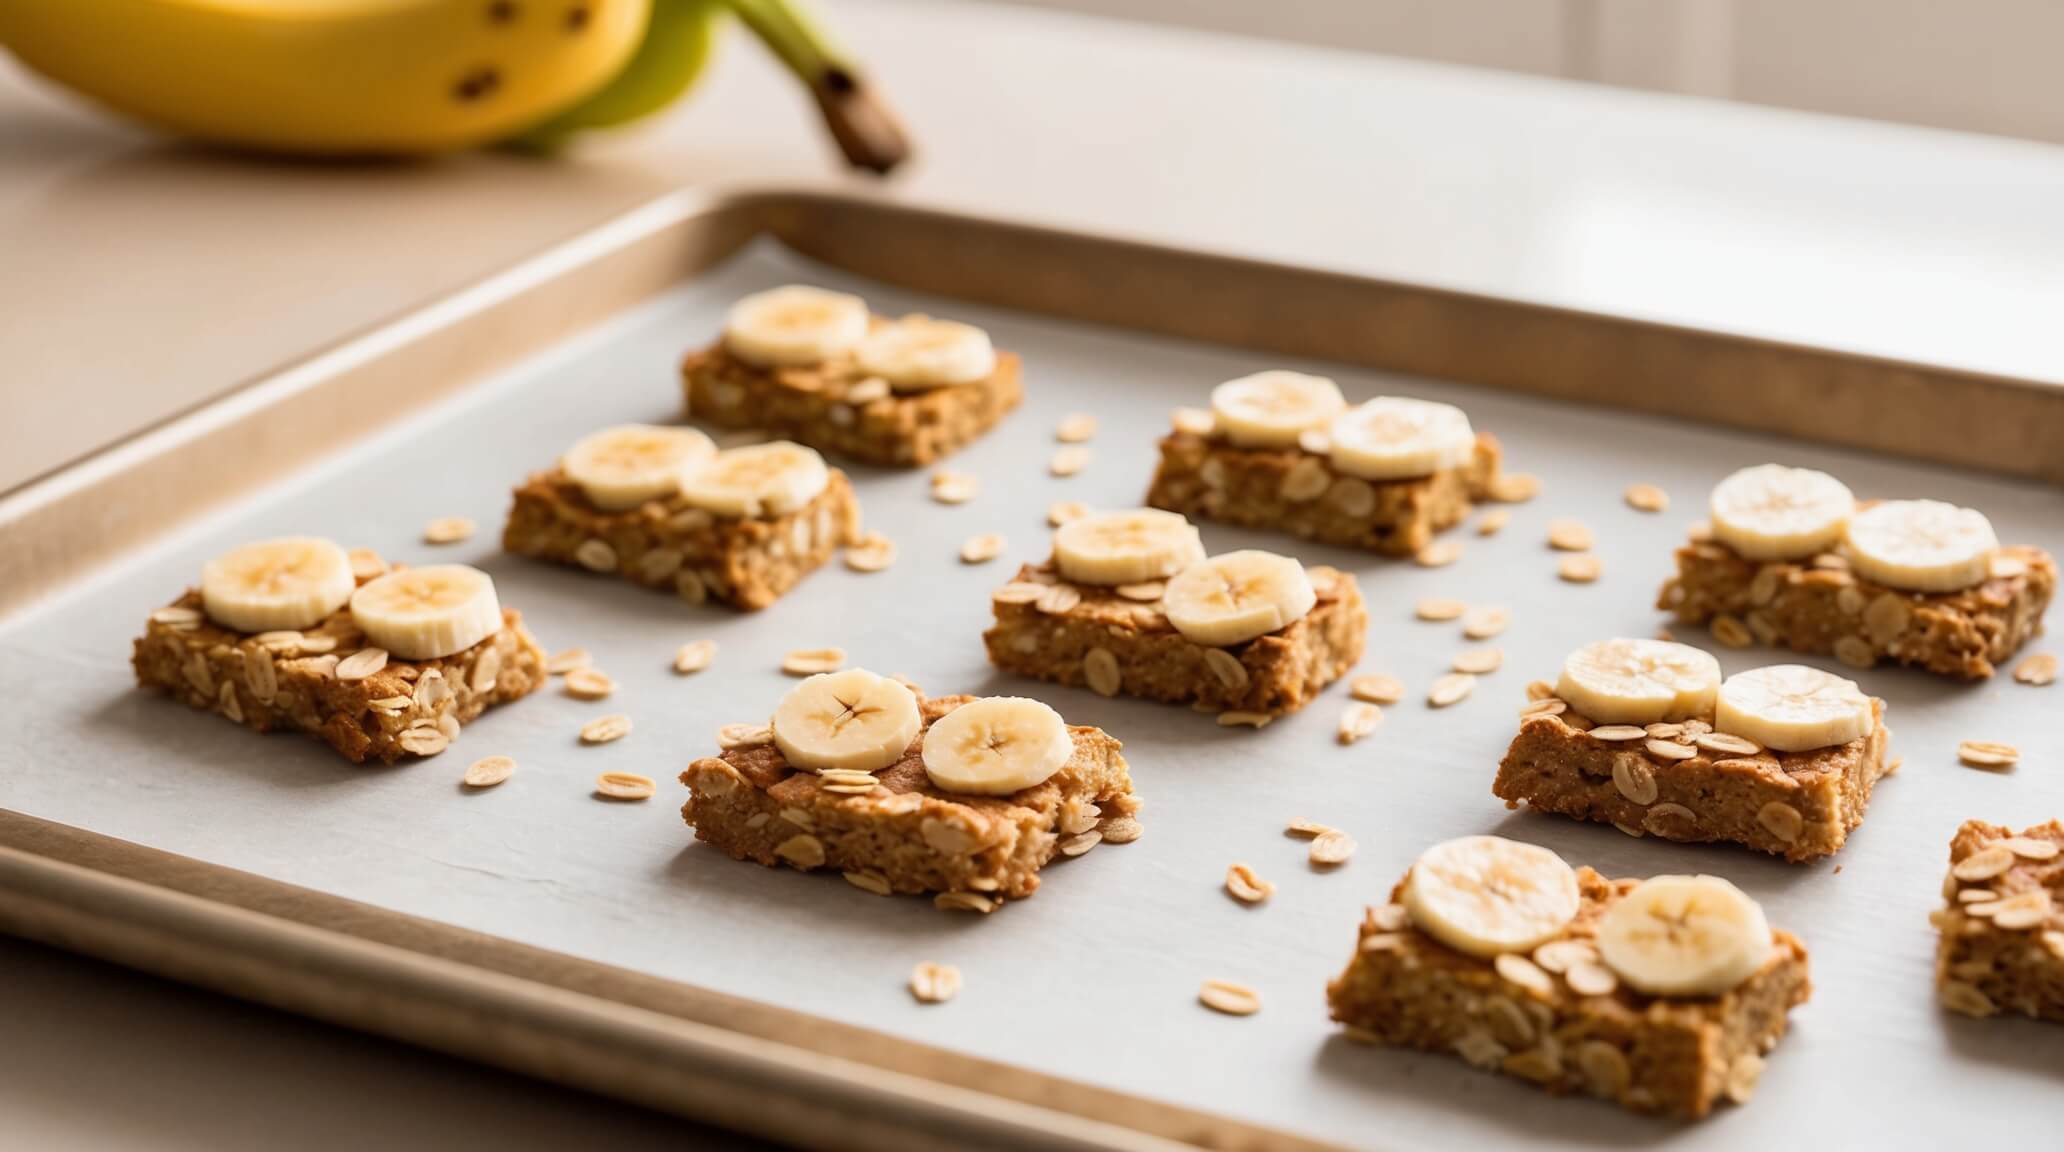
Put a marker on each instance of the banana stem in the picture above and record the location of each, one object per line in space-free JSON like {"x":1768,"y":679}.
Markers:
{"x":866,"y":130}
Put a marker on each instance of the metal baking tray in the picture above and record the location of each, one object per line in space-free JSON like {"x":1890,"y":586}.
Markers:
{"x":593,"y":943}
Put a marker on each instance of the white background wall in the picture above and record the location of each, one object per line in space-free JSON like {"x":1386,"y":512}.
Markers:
{"x":1976,"y":65}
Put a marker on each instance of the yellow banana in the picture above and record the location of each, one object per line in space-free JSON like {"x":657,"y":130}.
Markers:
{"x":409,"y":77}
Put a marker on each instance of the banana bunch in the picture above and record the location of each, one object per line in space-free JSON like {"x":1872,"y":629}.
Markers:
{"x":417,"y":77}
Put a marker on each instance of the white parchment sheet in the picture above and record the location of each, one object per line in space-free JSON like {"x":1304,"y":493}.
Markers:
{"x":1096,"y":977}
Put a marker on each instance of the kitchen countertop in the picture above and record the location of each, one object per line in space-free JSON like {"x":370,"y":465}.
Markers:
{"x":139,"y":279}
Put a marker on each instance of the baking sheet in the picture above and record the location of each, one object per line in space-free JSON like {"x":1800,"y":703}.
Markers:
{"x":1095,"y":978}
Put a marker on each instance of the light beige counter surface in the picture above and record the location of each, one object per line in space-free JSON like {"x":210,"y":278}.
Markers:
{"x":138,"y":278}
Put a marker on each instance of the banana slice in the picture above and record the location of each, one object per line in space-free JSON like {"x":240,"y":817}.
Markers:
{"x":1626,"y":681}
{"x":425,"y":613}
{"x":794,"y":327}
{"x":1921,"y":545}
{"x":758,"y":480}
{"x":1112,"y":548}
{"x":1484,"y":895}
{"x":1684,"y":936}
{"x":1235,"y":597}
{"x":996,"y":746}
{"x":624,"y":466}
{"x":918,"y":352}
{"x":1270,"y":409}
{"x":1392,"y":437}
{"x":1793,"y":708}
{"x":853,"y":719}
{"x":1771,"y":512}
{"x":293,"y":582}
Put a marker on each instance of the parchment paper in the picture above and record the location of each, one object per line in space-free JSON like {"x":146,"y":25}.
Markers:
{"x":1096,"y":977}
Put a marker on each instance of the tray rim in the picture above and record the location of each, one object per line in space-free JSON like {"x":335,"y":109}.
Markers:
{"x":398,"y":975}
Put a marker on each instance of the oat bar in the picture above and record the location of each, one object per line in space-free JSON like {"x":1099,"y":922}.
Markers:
{"x":748,"y":526}
{"x":898,"y":828}
{"x":329,"y":680}
{"x":1281,"y":450}
{"x":2002,"y":945}
{"x":818,"y":369}
{"x":1555,"y":1011}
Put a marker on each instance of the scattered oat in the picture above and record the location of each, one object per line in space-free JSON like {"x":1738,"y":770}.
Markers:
{"x":934,"y":983}
{"x":1062,"y":511}
{"x":811,"y":661}
{"x":567,"y":660}
{"x":1195,"y":421}
{"x":1479,"y":661}
{"x":1569,"y":536}
{"x":1377,"y":689}
{"x":2038,"y":669}
{"x":1986,"y":754}
{"x":1492,"y":521}
{"x":589,"y":684}
{"x":1229,"y":998}
{"x":603,"y":729}
{"x":1243,"y":885}
{"x":694,"y":656}
{"x":1331,"y":847}
{"x":1307,"y":828}
{"x":1647,"y":498}
{"x":1450,"y":689}
{"x":1439,"y":608}
{"x":361,"y":664}
{"x":623,"y":786}
{"x":1358,"y":721}
{"x":1076,"y":428}
{"x":1438,"y":554}
{"x":1484,"y":623}
{"x":1244,"y":719}
{"x":870,"y":553}
{"x":488,"y":771}
{"x":953,"y":487}
{"x":1515,"y":487}
{"x":982,"y":549}
{"x":447,"y":530}
{"x":1580,"y":568}
{"x":1068,"y":460}
{"x":1545,"y":706}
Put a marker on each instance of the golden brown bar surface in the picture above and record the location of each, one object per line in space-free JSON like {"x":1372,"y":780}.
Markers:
{"x":834,"y":408}
{"x":1083,"y":635}
{"x":1820,"y":606}
{"x":1295,"y":491}
{"x":2002,"y":922}
{"x":1668,"y":1055}
{"x":907,"y":835}
{"x":1798,"y":805}
{"x":672,"y":546}
{"x":288,"y":680}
